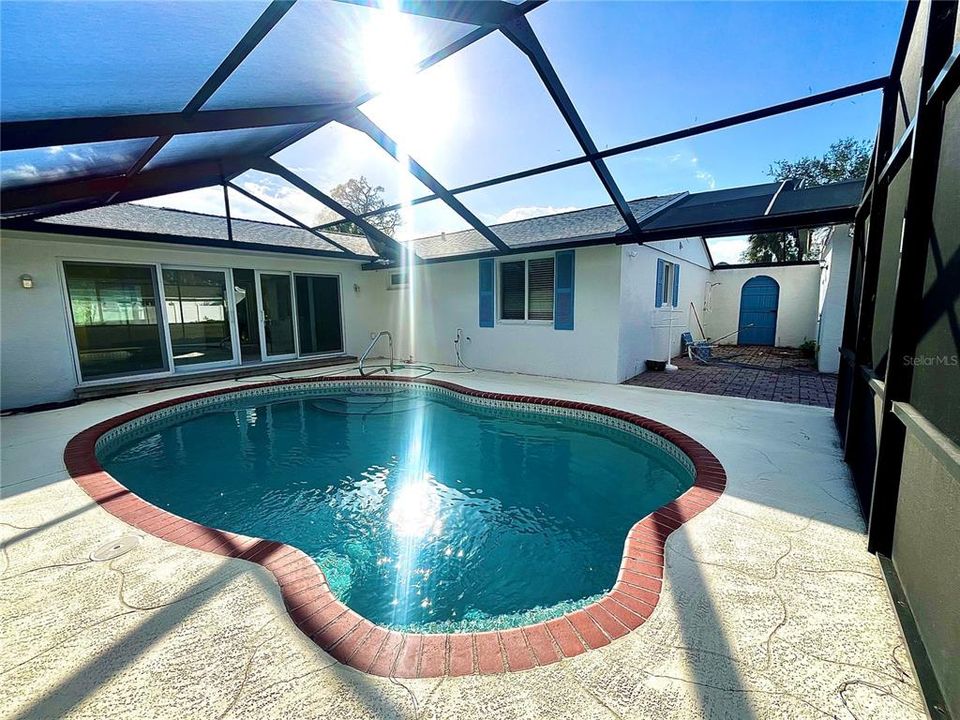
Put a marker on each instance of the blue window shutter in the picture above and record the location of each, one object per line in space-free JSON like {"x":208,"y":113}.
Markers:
{"x":486,"y":293}
{"x":676,"y":284}
{"x":660,"y":269}
{"x":563,"y":290}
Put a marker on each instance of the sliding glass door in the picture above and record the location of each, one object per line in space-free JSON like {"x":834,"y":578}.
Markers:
{"x":141,"y":319}
{"x":115,"y":316}
{"x":198,"y":317}
{"x":318,"y":314}
{"x":276,"y":316}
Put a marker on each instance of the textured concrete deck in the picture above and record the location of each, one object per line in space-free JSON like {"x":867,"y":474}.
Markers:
{"x":771,"y":606}
{"x":749,"y":371}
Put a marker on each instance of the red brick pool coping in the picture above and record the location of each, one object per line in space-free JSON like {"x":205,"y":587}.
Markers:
{"x":357,"y":642}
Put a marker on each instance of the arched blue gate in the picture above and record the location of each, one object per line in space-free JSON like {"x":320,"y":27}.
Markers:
{"x":759,"y":300}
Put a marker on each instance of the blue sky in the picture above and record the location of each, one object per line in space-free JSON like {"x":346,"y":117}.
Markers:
{"x":633,"y":70}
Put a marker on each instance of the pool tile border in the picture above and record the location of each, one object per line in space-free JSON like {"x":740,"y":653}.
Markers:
{"x":357,"y":642}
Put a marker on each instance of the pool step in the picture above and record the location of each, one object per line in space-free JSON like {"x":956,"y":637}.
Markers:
{"x":368,"y":404}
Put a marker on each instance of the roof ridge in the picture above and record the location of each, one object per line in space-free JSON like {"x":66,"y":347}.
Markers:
{"x":579,"y":210}
{"x":191,"y":212}
{"x":211,"y":215}
{"x":412,"y":240}
{"x":541,"y":217}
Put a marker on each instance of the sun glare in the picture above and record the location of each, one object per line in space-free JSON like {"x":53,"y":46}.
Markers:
{"x":413,"y":513}
{"x":390,"y":50}
{"x":417,"y":109}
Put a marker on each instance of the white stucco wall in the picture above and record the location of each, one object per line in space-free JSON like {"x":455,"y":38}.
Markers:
{"x":446,"y":297}
{"x":644,"y":328}
{"x":616,"y":324}
{"x":835,"y":260}
{"x":36,"y":349}
{"x":797,"y":311}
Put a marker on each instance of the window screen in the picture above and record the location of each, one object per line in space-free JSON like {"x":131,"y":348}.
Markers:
{"x":512,"y":290}
{"x":540,"y":292}
{"x":114,"y":309}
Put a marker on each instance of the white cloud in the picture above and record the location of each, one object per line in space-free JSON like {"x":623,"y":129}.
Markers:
{"x":293,"y":202}
{"x":727,"y":249}
{"x":702,"y":175}
{"x":707,"y":179}
{"x":530,"y":211}
{"x":58,"y":162}
{"x":17,"y":174}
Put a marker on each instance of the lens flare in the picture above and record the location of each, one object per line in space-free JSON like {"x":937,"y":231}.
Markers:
{"x":413,"y":513}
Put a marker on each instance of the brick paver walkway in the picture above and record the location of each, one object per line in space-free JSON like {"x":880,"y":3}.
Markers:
{"x":750,"y":371}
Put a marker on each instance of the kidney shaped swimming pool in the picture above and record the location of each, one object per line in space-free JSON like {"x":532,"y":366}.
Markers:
{"x":426,"y":510}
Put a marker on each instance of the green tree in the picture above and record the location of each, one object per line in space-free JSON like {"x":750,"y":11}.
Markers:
{"x":846,"y":159}
{"x":360,"y":196}
{"x":774,"y":247}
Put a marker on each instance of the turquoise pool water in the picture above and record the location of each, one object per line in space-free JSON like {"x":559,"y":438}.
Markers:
{"x":425,"y":512}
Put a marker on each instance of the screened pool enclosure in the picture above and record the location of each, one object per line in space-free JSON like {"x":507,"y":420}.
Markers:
{"x":229,"y":95}
{"x":173,"y":179}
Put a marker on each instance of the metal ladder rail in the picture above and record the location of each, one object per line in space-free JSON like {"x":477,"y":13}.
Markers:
{"x":370,"y":348}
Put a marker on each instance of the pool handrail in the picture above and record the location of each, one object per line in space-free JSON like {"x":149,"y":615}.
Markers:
{"x":370,"y":348}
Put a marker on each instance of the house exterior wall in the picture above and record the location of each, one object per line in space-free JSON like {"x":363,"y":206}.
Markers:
{"x":36,"y":347}
{"x":445,"y":296}
{"x":834,"y":277}
{"x":644,"y":328}
{"x":616,"y":323}
{"x":797,"y":311}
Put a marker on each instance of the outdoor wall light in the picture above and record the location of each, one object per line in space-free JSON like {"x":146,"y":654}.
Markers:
{"x":26,"y":282}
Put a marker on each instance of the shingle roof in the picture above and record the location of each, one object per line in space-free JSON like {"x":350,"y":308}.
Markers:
{"x":147,"y":219}
{"x":604,"y":220}
{"x":533,"y":232}
{"x":658,"y":216}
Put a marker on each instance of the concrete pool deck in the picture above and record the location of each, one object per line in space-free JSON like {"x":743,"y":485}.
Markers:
{"x":771,"y":606}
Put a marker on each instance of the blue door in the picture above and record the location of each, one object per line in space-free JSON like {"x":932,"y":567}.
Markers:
{"x":758,"y":311}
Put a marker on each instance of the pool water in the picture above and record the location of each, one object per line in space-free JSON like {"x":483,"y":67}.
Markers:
{"x":425,"y":512}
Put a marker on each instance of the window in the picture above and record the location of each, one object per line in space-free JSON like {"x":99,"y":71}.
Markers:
{"x":115,"y":319}
{"x":540,"y":289}
{"x":527,"y":289}
{"x":668,"y":283}
{"x":512,"y":290}
{"x":666,"y":294}
{"x":398,"y":280}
